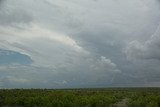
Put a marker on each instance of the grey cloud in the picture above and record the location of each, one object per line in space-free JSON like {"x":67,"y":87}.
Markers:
{"x":148,"y":50}
{"x":145,"y":56}
{"x":72,"y":41}
{"x":1,"y":1}
{"x":77,"y":74}
{"x":10,"y":14}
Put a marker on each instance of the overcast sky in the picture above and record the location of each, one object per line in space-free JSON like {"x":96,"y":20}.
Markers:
{"x":79,"y":43}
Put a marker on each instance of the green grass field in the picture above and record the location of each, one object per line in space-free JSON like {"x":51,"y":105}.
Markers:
{"x":135,"y":97}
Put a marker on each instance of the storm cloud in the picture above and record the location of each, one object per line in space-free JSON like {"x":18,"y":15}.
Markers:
{"x":87,"y":43}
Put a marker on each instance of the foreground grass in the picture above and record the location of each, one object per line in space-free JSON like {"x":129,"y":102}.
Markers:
{"x":137,"y":97}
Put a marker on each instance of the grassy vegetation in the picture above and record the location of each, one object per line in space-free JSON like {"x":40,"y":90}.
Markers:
{"x":137,"y":97}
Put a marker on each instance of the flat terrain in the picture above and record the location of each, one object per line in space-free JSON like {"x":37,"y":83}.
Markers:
{"x":111,"y":97}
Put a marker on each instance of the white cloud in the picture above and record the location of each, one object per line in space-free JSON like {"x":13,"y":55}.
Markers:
{"x":15,"y":80}
{"x":105,"y":65}
{"x":42,"y":45}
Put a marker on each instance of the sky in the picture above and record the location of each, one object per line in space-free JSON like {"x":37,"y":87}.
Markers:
{"x":79,"y":43}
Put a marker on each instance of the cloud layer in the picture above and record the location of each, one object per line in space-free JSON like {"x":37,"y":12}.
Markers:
{"x":93,"y":43}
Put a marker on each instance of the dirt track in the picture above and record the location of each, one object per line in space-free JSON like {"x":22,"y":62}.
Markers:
{"x":122,"y":103}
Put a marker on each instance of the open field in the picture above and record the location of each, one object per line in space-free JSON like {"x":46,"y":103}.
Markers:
{"x":111,"y":97}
